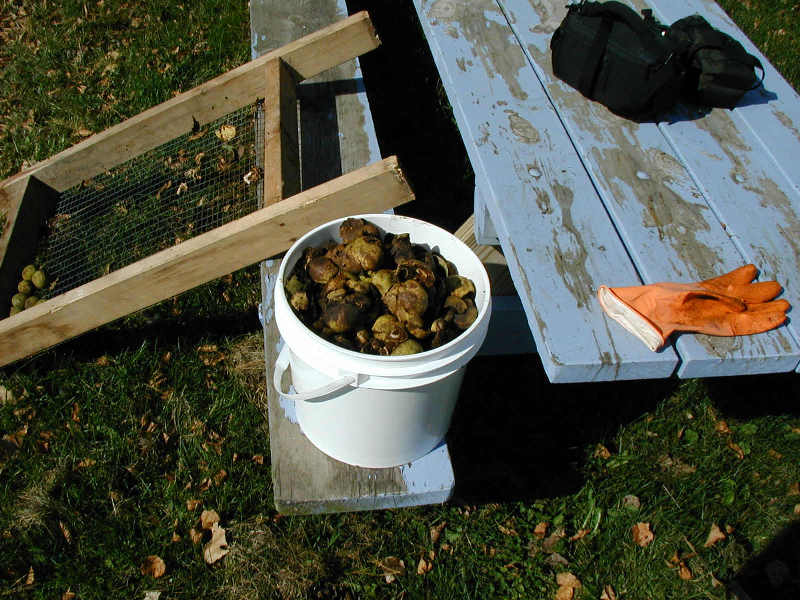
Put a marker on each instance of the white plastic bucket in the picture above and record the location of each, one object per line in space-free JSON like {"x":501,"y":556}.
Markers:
{"x":377,"y":411}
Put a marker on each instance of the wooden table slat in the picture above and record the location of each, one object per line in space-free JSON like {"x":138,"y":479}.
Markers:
{"x":552,"y":226}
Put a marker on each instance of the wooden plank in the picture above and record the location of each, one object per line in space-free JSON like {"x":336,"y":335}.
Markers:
{"x":29,"y":204}
{"x":281,"y":142}
{"x":558,"y":242}
{"x":485,"y":232}
{"x":743,"y":174}
{"x":307,"y":56}
{"x":337,"y":136}
{"x":669,"y":230}
{"x":245,"y":241}
{"x":491,"y":257}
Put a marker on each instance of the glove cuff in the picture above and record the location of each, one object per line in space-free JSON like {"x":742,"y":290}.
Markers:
{"x":630,"y":319}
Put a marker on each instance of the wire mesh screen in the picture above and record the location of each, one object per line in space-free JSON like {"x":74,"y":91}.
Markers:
{"x":183,"y":188}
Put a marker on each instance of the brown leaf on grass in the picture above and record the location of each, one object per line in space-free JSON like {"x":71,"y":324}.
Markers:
{"x":175,"y":537}
{"x":608,"y":593}
{"x":736,"y":449}
{"x":424,"y":566}
{"x":153,"y":566}
{"x":540,"y":530}
{"x":65,"y":532}
{"x":220,"y":476}
{"x":564,"y":593}
{"x":675,"y":465}
{"x":567,"y":579}
{"x":549,"y":543}
{"x":86,"y":463}
{"x":192,"y":504}
{"x":103,"y":361}
{"x":775,"y":454}
{"x":208,"y":518}
{"x":796,"y":510}
{"x":714,"y":536}
{"x":631,"y":501}
{"x":17,"y":438}
{"x":794,"y":489}
{"x":205,"y":484}
{"x":556,"y":560}
{"x":684,"y":572}
{"x":76,"y":412}
{"x":507,"y":531}
{"x":722,"y":427}
{"x":436,"y":531}
{"x":392,"y":567}
{"x":83,"y":132}
{"x":601,"y":451}
{"x":30,"y":578}
{"x":68,"y":595}
{"x":642,"y":535}
{"x":6,"y":396}
{"x":258,"y":459}
{"x":581,"y":533}
{"x":217,"y":546}
{"x":195,"y":536}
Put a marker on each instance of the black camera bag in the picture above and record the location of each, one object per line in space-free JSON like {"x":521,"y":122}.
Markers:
{"x":614,"y":56}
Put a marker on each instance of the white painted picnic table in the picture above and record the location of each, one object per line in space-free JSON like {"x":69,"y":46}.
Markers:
{"x":578,"y":197}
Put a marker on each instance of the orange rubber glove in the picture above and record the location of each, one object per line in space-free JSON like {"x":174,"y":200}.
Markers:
{"x":727,"y":305}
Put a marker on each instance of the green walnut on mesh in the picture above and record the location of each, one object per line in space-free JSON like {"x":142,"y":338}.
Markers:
{"x":32,"y":281}
{"x":380,"y":295}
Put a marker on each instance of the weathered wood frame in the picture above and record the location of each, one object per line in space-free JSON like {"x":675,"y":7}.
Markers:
{"x":26,"y":197}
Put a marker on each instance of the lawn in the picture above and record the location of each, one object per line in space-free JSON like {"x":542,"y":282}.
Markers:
{"x":114,"y":444}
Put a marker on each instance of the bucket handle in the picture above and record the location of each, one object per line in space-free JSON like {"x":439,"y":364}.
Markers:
{"x":310,"y":396}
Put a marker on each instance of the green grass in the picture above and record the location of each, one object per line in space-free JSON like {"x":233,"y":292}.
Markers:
{"x":108,"y":436}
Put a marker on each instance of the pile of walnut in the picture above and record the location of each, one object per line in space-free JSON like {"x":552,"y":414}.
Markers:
{"x":388,"y":297}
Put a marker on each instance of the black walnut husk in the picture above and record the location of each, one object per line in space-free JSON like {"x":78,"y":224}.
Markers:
{"x":380,"y":295}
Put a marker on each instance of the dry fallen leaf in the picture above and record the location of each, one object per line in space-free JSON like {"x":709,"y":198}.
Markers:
{"x":601,"y":452}
{"x":86,"y":463}
{"x":540,"y":530}
{"x":567,"y":579}
{"x":507,"y":531}
{"x":424,"y":566}
{"x":153,"y":566}
{"x":722,"y":427}
{"x":68,"y":595}
{"x":196,"y":536}
{"x":83,"y":132}
{"x":797,"y":509}
{"x":258,"y":459}
{"x":392,"y":565}
{"x":642,"y":535}
{"x":65,"y":532}
{"x":714,"y":536}
{"x":208,"y":518}
{"x":226,"y":133}
{"x":6,"y":396}
{"x":564,"y":593}
{"x":220,"y":476}
{"x":581,"y":533}
{"x":736,"y":449}
{"x":631,"y":501}
{"x":76,"y":412}
{"x":549,"y":543}
{"x":30,"y":578}
{"x":608,"y":593}
{"x":217,"y":546}
{"x":794,"y":489}
{"x":684,"y":572}
{"x":192,"y":504}
{"x":436,"y":531}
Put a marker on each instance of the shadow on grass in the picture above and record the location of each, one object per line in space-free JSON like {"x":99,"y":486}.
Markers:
{"x":515,"y":436}
{"x":774,"y":574}
{"x":758,"y":396}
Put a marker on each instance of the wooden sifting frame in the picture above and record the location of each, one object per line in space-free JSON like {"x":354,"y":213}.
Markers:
{"x":27,"y":198}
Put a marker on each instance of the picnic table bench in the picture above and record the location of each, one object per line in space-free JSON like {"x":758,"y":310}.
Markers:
{"x":578,"y":197}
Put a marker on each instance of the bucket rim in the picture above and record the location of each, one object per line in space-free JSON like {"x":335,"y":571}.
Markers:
{"x":280,"y":296}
